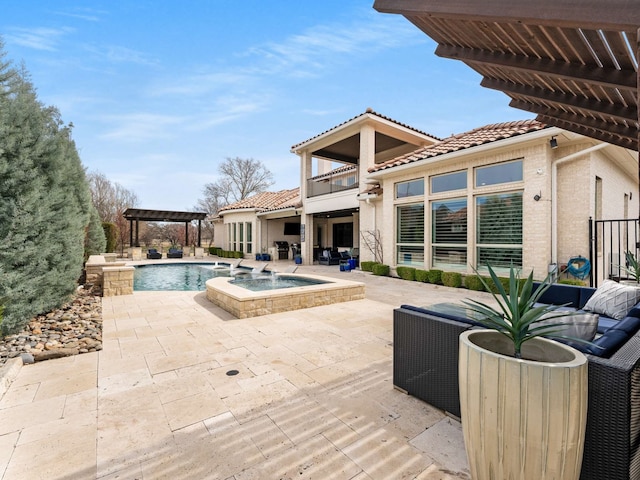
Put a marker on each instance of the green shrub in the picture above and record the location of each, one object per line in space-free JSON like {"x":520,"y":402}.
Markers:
{"x":421,"y":275}
{"x":381,"y":269}
{"x":434,"y":276}
{"x":473,"y":282}
{"x":367,"y":266}
{"x":238,"y":255}
{"x":111,"y":235}
{"x":406,"y":273}
{"x":452,"y":279}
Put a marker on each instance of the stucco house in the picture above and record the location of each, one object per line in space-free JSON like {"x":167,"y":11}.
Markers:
{"x":520,"y":193}
{"x":253,"y":225}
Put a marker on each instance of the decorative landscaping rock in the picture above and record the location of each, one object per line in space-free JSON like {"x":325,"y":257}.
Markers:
{"x":72,"y":329}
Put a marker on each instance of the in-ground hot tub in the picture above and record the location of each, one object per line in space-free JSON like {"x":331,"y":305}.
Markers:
{"x":242,"y":302}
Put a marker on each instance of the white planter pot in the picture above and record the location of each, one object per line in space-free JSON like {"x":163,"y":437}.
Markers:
{"x":522,"y":418}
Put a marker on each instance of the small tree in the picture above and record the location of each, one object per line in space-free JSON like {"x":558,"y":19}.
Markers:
{"x":111,"y":236}
{"x":95,"y":241}
{"x":373,"y":242}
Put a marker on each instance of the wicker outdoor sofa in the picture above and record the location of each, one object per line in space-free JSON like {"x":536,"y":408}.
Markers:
{"x":426,"y":366}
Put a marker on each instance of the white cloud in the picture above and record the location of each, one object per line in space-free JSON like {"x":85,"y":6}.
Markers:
{"x":37,"y":38}
{"x":118,"y":54}
{"x":137,"y":127}
{"x":86,"y":14}
{"x":324,"y":45}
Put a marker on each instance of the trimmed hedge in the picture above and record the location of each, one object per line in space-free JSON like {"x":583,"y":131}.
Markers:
{"x":434,"y":276}
{"x":473,"y":282}
{"x":225,"y":253}
{"x":367,"y":266}
{"x":381,"y":269}
{"x":452,"y":279}
{"x":421,"y":275}
{"x":406,"y":273}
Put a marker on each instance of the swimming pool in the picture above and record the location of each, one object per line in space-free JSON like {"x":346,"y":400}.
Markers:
{"x":274,"y":295}
{"x":274,"y":282}
{"x":178,"y":276}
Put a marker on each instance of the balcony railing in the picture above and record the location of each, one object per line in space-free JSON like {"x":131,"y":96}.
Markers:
{"x":327,"y":184}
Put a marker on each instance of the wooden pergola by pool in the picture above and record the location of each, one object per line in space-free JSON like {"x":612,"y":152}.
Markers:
{"x":137,"y":214}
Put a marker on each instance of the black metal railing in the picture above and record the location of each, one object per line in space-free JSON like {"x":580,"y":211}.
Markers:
{"x":610,"y":240}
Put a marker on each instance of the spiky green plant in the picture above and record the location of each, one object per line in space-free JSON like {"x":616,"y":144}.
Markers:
{"x":517,"y":315}
{"x":632,"y":266}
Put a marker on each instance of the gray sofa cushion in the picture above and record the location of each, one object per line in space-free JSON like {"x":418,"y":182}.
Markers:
{"x":582,"y":325}
{"x":613,"y":299}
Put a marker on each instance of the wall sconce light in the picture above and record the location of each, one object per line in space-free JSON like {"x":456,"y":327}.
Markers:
{"x":553,"y":143}
{"x":537,"y":196}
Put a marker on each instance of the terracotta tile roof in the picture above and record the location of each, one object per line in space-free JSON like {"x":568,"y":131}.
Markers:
{"x":372,"y":190}
{"x":368,"y":111}
{"x":267,"y":201}
{"x":472,"y":138}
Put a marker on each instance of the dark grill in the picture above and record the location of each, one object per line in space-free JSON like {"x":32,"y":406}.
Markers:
{"x":283,"y":250}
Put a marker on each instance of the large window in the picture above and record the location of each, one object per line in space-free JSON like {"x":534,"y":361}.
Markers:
{"x":449,"y":233}
{"x":234,"y":231}
{"x":449,"y":181}
{"x":411,"y":188}
{"x":249,"y":237}
{"x":501,"y":173}
{"x":410,"y":234}
{"x":499,"y":230}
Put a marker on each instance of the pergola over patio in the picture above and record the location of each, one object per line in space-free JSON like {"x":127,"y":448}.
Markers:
{"x":574,"y":63}
{"x":136,"y":214}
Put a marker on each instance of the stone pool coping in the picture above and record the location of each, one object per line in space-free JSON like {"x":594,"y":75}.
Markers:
{"x":243,"y":303}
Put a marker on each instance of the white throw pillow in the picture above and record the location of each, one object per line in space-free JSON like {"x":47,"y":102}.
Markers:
{"x":613,"y":299}
{"x":577,"y":325}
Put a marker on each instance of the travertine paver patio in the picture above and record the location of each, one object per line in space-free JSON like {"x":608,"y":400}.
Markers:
{"x":312,"y":397}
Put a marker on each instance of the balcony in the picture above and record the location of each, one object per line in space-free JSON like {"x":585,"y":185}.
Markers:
{"x":332,"y":183}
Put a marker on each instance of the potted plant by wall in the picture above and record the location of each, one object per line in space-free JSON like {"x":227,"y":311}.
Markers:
{"x":523,"y":397}
{"x":631,"y":268}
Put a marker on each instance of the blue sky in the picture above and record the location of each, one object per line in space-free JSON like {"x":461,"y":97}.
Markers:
{"x":160,"y":92}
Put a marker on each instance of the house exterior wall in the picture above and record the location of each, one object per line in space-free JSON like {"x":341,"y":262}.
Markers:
{"x":575,"y":200}
{"x":224,"y":241}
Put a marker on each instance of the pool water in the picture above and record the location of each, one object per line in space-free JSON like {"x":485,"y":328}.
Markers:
{"x":177,"y":276}
{"x":273,"y":282}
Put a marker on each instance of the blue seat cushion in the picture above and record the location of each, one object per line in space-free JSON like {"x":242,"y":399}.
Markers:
{"x":605,"y":323}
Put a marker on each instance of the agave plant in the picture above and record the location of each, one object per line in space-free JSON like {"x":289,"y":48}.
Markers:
{"x":632,"y":266}
{"x":517,"y":315}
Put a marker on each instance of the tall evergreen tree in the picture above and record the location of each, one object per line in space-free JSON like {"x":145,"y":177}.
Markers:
{"x":45,"y":203}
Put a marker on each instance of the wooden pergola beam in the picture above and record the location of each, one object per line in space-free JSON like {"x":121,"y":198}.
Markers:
{"x":617,"y":111}
{"x":615,"y":15}
{"x":622,"y":79}
{"x":597,"y":133}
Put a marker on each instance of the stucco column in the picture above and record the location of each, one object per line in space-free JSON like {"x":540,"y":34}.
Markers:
{"x":306,"y":172}
{"x":307,"y":246}
{"x":367,"y":214}
{"x":306,"y":221}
